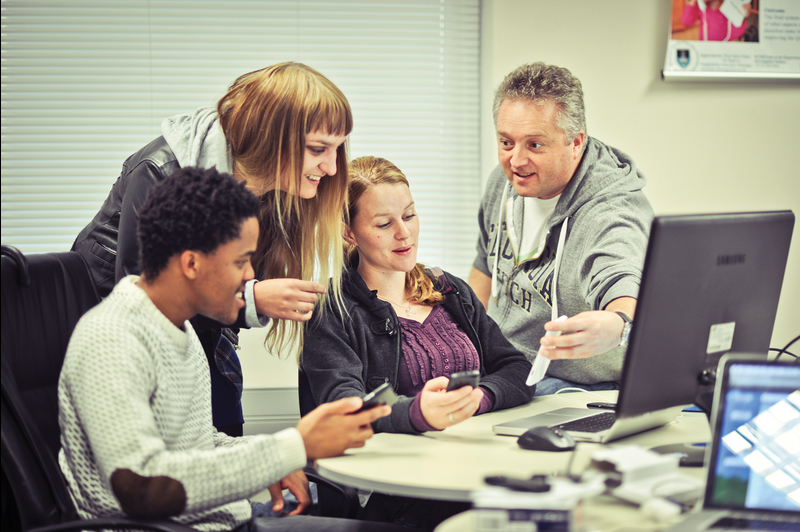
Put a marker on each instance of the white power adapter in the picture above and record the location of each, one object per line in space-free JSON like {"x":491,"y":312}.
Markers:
{"x":636,"y":475}
{"x":660,"y":510}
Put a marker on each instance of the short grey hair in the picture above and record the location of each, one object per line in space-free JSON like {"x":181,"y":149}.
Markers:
{"x":538,"y":82}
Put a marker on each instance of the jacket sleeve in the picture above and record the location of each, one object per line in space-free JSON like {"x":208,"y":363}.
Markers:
{"x":614,"y":248}
{"x":504,"y":368}
{"x":487,"y":217}
{"x":140,"y":179}
{"x":334,"y":360}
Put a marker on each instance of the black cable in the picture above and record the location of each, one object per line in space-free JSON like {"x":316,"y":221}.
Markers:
{"x":785,"y":350}
{"x":569,"y":475}
{"x":782,"y":352}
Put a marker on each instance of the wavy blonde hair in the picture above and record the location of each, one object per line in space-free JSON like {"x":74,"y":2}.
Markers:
{"x":364,"y":173}
{"x":266,"y":116}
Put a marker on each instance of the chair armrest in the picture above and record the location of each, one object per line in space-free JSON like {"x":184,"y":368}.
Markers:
{"x":335,"y":500}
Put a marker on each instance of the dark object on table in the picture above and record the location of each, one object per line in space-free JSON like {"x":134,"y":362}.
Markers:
{"x":546,"y":439}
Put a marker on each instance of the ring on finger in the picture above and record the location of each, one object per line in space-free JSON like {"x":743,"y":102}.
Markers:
{"x":451,"y":418}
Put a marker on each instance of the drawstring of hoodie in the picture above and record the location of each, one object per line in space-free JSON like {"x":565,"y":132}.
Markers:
{"x":497,"y":243}
{"x":561,"y":239}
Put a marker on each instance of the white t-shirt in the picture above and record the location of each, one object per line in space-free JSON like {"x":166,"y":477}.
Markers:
{"x":532,"y":214}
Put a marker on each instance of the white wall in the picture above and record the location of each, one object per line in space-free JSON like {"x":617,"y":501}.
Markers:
{"x":705,"y":147}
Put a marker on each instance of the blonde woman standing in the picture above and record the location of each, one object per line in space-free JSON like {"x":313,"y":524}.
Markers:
{"x":283,"y":130}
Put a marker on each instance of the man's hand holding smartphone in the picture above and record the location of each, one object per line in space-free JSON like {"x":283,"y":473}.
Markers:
{"x":382,"y":395}
{"x":332,"y":428}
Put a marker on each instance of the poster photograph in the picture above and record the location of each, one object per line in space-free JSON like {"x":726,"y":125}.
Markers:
{"x":734,"y":39}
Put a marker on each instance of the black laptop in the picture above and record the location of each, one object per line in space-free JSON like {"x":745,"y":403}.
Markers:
{"x":753,"y":479}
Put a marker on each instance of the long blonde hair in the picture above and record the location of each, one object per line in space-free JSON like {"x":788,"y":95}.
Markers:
{"x":364,"y":173}
{"x":266,"y":116}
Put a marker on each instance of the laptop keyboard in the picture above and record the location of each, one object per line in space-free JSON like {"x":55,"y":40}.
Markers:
{"x":595,"y":423}
{"x":739,"y":523}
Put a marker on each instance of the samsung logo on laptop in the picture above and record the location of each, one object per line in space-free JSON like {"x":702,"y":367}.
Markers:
{"x":730,"y":260}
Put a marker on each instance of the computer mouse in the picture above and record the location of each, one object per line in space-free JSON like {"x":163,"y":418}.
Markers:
{"x":546,"y":439}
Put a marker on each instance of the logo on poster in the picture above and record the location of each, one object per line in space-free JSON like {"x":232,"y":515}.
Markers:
{"x":682,"y":56}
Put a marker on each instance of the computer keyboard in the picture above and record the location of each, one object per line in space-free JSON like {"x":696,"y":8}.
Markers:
{"x":595,"y":423}
{"x":738,"y":523}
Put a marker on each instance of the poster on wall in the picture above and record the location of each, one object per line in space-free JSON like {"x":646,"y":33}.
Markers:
{"x":734,"y":40}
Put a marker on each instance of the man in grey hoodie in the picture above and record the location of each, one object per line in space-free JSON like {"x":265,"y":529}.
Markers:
{"x":563,"y":232}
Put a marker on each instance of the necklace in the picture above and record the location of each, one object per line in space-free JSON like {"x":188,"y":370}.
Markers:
{"x":409,"y":309}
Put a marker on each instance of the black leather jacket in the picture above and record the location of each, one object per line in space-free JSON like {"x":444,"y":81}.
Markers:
{"x":350,"y":357}
{"x":109,"y":242}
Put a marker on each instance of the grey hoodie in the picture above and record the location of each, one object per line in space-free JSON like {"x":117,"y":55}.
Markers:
{"x":601,"y":259}
{"x":197,"y":139}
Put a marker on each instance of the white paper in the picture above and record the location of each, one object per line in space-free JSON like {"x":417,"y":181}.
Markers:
{"x":541,"y":363}
{"x":733,"y":11}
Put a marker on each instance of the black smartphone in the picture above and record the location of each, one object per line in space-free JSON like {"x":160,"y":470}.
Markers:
{"x":600,"y":404}
{"x":382,"y":395}
{"x":464,"y":378}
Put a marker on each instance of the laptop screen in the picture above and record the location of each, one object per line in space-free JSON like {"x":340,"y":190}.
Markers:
{"x":755,"y":457}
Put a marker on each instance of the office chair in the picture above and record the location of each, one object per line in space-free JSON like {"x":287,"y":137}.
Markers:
{"x":335,"y":500}
{"x":43,"y":296}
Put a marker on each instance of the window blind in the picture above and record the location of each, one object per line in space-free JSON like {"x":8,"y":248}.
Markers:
{"x":87,"y":83}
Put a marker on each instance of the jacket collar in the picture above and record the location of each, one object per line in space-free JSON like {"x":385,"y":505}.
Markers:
{"x":385,"y":320}
{"x":354,"y":286}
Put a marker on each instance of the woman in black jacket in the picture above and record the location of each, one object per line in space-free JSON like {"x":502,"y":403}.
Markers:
{"x":283,"y":129}
{"x":406,"y":325}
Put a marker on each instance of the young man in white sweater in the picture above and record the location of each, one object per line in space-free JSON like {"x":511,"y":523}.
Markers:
{"x":135,"y":393}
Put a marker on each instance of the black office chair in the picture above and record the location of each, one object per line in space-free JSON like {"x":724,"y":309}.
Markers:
{"x":335,"y":500}
{"x":43,"y":296}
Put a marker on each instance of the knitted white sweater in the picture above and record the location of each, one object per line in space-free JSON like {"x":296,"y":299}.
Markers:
{"x":135,"y":393}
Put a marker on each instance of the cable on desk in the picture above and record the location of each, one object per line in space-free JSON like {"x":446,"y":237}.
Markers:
{"x":568,"y":472}
{"x":785,"y":350}
{"x":573,"y":389}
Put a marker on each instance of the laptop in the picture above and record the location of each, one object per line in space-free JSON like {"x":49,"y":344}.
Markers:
{"x":753,"y":478}
{"x":589,"y":425}
{"x":692,"y":309}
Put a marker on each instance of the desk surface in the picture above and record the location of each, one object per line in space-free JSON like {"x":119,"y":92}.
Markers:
{"x":449,"y":464}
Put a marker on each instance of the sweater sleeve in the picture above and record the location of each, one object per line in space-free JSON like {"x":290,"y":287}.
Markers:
{"x":690,"y":15}
{"x":115,"y":388}
{"x":251,"y":317}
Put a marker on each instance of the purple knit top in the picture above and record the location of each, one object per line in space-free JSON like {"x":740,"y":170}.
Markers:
{"x":434,"y":348}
